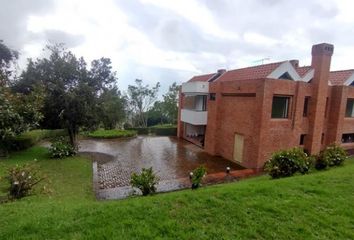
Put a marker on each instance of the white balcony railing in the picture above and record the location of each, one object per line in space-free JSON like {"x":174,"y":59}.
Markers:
{"x":194,"y":117}
{"x":195,"y":87}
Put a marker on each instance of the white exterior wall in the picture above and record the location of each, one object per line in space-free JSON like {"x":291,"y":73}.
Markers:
{"x":194,"y":117}
{"x":195,"y":87}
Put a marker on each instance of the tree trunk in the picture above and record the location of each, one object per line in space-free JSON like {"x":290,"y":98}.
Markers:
{"x":73,"y":133}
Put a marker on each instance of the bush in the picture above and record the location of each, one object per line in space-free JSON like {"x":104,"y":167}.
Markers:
{"x":22,"y":179}
{"x":140,"y":130}
{"x":114,"y":133}
{"x":164,"y":131}
{"x":146,"y":181}
{"x":286,"y":163}
{"x":333,"y":155}
{"x":197,"y":177}
{"x":61,"y":148}
{"x":30,"y":138}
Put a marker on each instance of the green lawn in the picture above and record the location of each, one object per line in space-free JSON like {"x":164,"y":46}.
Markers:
{"x":316,"y":206}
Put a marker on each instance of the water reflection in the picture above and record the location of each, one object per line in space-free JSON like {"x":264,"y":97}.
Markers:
{"x":170,"y":157}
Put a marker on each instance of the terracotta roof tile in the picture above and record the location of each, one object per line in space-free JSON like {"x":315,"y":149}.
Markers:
{"x":339,"y":77}
{"x":255,"y":72}
{"x":302,"y":71}
{"x":201,"y":78}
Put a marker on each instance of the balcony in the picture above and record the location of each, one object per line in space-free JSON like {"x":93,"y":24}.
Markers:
{"x":195,"y":87}
{"x":194,"y":117}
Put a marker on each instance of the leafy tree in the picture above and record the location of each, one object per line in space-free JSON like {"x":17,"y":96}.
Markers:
{"x":18,"y":112}
{"x":141,"y":98}
{"x":8,"y":58}
{"x":72,"y":91}
{"x":112,"y":108}
{"x":170,"y":103}
{"x":156,"y":114}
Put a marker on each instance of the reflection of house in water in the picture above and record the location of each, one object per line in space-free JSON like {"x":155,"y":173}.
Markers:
{"x":246,"y":114}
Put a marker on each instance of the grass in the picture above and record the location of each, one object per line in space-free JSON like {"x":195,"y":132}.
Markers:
{"x":114,"y":133}
{"x":315,"y":206}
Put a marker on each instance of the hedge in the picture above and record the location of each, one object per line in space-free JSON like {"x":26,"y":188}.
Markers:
{"x":159,"y":130}
{"x":114,"y":133}
{"x":172,"y":131}
{"x":30,"y":138}
{"x":140,"y":131}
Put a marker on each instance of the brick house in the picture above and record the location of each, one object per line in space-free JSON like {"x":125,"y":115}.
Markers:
{"x":244,"y":115}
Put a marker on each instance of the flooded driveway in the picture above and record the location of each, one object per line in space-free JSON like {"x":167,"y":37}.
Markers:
{"x":170,"y":157}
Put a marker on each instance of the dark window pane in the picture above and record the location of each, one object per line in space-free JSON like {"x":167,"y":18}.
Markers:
{"x":348,"y":138}
{"x":280,"y":107}
{"x":286,"y":76}
{"x":212,"y":96}
{"x":350,"y":108}
{"x":306,"y":106}
{"x":302,"y":139}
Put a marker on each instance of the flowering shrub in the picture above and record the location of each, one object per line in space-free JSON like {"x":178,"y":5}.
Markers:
{"x":61,"y":148}
{"x":286,"y":163}
{"x":146,"y":181}
{"x":21,"y":180}
{"x":197,"y":176}
{"x":333,"y":155}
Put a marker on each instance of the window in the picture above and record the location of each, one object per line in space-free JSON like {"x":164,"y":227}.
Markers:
{"x":286,"y":76}
{"x":302,"y":139}
{"x":350,"y":108}
{"x":306,"y":106}
{"x":326,"y":107}
{"x":212,"y":96}
{"x":280,"y":107}
{"x":322,"y":138}
{"x":200,"y":103}
{"x":348,"y":138}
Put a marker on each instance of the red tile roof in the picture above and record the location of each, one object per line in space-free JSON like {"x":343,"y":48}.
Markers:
{"x":201,"y":78}
{"x":339,"y":77}
{"x":255,"y":72}
{"x":262,"y":71}
{"x":302,"y":71}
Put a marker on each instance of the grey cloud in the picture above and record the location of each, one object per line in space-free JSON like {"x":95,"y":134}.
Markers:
{"x":169,"y":31}
{"x":13,"y":17}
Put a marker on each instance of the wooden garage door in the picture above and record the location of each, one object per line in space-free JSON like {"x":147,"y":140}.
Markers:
{"x":238,"y":148}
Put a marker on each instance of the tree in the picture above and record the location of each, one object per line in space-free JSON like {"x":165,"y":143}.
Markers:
{"x":141,"y":98}
{"x":112,"y":108}
{"x":72,"y":91}
{"x":8,"y":57}
{"x":156,"y":114}
{"x":18,"y":112}
{"x":170,"y":103}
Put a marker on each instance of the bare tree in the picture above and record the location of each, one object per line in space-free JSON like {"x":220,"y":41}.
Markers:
{"x":141,"y":99}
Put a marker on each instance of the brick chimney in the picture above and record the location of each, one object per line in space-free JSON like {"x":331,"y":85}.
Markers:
{"x":321,"y":62}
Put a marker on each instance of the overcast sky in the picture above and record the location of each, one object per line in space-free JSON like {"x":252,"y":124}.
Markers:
{"x":167,"y":41}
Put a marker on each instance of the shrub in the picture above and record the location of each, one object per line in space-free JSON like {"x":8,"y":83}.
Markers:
{"x":61,"y":148}
{"x":332,"y":155}
{"x":286,"y":163}
{"x":30,"y":138}
{"x":141,"y":130}
{"x":22,"y":179}
{"x":197,"y":177}
{"x":164,"y":131}
{"x":146,"y":181}
{"x":114,"y":133}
